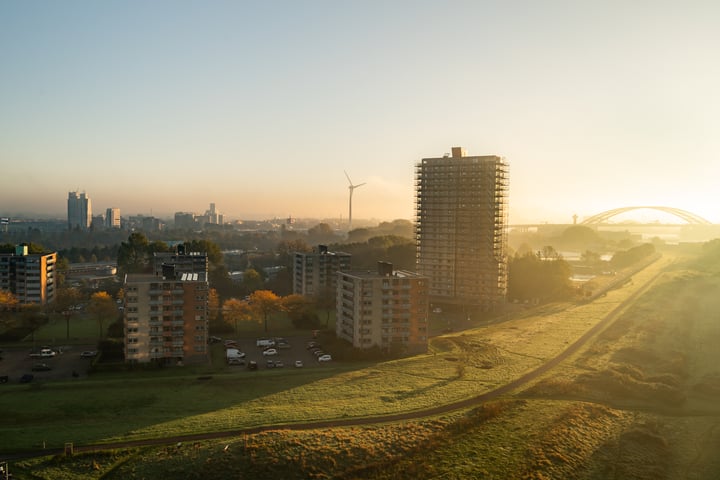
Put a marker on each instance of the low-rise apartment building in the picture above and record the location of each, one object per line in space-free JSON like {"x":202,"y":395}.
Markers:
{"x":29,"y":276}
{"x":316,"y":272}
{"x":386,"y":309}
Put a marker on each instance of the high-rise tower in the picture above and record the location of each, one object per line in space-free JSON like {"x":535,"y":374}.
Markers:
{"x":79,"y":210}
{"x":112,"y":218}
{"x":461,"y":228}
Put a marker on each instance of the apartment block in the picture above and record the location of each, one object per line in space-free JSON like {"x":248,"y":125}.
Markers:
{"x":166,"y":313}
{"x":386,"y":309}
{"x":316,"y":272}
{"x":29,"y":276}
{"x":461,"y":228}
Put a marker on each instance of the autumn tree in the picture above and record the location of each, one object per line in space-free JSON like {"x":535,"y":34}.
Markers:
{"x":213,"y":305}
{"x":8,"y":300}
{"x":102,"y":307}
{"x":264,"y":303}
{"x":235,"y":311}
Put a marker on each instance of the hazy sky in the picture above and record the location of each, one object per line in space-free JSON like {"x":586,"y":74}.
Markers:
{"x":163,"y":106}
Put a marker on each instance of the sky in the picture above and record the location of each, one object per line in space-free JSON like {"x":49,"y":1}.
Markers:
{"x":260,"y":107}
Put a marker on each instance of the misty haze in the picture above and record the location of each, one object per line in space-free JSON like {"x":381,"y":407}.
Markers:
{"x":359,"y":240}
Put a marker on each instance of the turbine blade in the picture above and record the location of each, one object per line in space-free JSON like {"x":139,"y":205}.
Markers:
{"x":348,"y":177}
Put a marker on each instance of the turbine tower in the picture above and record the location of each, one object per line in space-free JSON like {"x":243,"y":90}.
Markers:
{"x":351,"y":188}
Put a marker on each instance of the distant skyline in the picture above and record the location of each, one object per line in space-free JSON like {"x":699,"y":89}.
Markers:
{"x":260,"y":107}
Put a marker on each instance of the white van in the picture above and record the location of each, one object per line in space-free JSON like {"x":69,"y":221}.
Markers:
{"x":265,"y":342}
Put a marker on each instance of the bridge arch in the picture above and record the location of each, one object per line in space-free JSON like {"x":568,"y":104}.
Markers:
{"x":689,"y":217}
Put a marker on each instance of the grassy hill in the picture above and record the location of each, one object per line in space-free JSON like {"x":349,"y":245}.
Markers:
{"x":639,"y":401}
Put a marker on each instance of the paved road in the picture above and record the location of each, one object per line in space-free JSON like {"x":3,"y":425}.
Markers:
{"x":440,"y":409}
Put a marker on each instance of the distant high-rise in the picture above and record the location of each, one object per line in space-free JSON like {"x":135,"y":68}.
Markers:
{"x":79,"y":210}
{"x":461,"y":231}
{"x":112,"y":218}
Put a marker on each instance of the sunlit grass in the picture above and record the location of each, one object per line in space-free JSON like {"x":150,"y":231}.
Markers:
{"x":151,"y":404}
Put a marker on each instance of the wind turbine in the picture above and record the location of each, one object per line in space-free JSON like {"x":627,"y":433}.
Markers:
{"x":351,"y":188}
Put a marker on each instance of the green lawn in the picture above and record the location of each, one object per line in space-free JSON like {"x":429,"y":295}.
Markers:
{"x":146,"y":404}
{"x":83,"y":328}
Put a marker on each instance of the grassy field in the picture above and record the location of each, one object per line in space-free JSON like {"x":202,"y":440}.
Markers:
{"x":638,"y":402}
{"x":157,"y":404}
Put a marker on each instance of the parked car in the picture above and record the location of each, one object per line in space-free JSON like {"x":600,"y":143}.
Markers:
{"x":270,"y":364}
{"x":318,"y":353}
{"x":265,"y":342}
{"x":311,"y":345}
{"x":298,"y":363}
{"x":26,"y":378}
{"x":252,"y":365}
{"x":235,"y":361}
{"x":41,"y":367}
{"x":279,"y":364}
{"x":88,"y":354}
{"x":324,"y":358}
{"x":269,"y":352}
{"x":214,"y":339}
{"x":43,"y":353}
{"x":234,"y":352}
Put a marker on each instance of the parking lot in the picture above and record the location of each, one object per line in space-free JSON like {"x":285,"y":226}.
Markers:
{"x":68,"y":363}
{"x":296,"y":349}
{"x":17,"y":362}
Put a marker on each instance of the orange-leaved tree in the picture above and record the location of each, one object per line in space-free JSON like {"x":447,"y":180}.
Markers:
{"x":264,"y":303}
{"x":235,"y":311}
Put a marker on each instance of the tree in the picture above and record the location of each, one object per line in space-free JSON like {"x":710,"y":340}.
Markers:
{"x":236,"y":311}
{"x":32,"y":316}
{"x":252,"y":280}
{"x":300,"y":311}
{"x":133,"y":255}
{"x":531,"y":278}
{"x":264,"y":303}
{"x":102,"y":307}
{"x":65,"y":301}
{"x":7,"y":300}
{"x":325,"y":300}
{"x":213,"y":305}
{"x":215,"y":256}
{"x":321,"y":233}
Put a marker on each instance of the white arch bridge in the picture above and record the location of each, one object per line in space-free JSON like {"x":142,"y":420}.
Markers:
{"x":689,"y":217}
